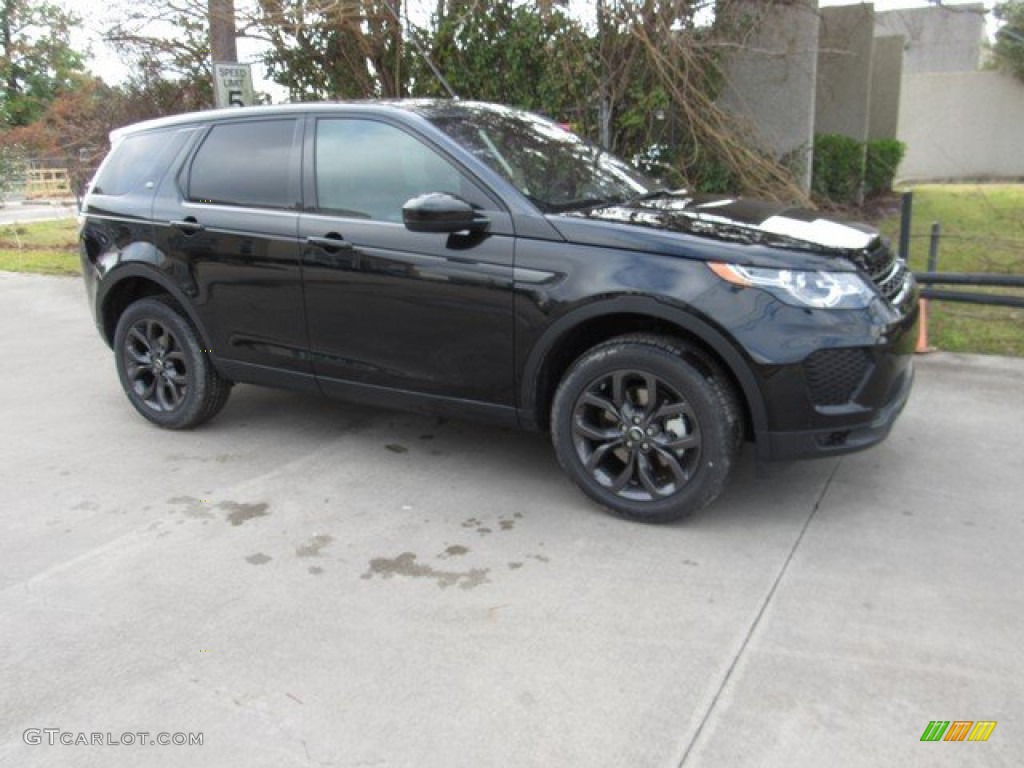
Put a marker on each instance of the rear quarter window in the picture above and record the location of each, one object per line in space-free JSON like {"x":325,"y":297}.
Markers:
{"x":138,"y":160}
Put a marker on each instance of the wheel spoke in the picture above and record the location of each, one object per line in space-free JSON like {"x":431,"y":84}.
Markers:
{"x":148,"y":388}
{"x":626,"y":474}
{"x":680,"y":443}
{"x":674,"y":466}
{"x":591,"y":432}
{"x":651,"y":388}
{"x":619,"y":390}
{"x":669,"y":410}
{"x":136,"y":369}
{"x":644,"y":470}
{"x":165,"y":395}
{"x":591,"y":398}
{"x":599,"y":454}
{"x":178,"y":379}
{"x":138,"y":341}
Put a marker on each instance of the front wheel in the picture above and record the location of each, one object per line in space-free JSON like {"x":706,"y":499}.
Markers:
{"x":166,"y":374}
{"x":647,"y":427}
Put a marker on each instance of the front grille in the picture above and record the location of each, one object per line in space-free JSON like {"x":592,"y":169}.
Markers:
{"x":835,"y":375}
{"x":888,"y":273}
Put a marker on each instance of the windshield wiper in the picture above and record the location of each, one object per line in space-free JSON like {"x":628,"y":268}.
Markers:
{"x":659,"y":192}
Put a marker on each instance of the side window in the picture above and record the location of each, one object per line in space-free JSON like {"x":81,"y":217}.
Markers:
{"x":249,"y":163}
{"x":367,"y":169}
{"x":137,"y":160}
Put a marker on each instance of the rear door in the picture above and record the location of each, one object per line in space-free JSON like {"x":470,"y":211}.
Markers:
{"x":230,"y":220}
{"x":423,"y":312}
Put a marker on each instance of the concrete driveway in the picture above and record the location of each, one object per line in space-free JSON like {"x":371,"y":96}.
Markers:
{"x":20,"y":213}
{"x":309,"y":583}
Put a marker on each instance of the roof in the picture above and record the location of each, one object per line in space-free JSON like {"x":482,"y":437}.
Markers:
{"x":381,"y":105}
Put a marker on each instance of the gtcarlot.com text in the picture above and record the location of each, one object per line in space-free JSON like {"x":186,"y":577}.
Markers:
{"x":57,"y":736}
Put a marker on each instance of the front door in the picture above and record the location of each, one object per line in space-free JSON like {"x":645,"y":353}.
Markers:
{"x":426,"y":313}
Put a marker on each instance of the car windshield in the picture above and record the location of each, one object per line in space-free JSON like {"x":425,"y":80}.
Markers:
{"x":556,"y":169}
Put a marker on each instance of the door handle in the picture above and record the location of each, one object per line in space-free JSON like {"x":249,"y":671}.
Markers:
{"x":331,"y":243}
{"x":188,"y":225}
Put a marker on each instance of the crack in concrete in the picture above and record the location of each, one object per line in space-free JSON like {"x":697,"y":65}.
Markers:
{"x":757,"y":619}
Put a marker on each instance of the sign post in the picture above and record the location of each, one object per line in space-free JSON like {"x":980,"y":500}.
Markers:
{"x":232,"y":85}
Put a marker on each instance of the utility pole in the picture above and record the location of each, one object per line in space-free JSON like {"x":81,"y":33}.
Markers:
{"x":222,"y":31}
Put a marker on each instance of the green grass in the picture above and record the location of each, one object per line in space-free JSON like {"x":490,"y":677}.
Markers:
{"x":982,"y":231}
{"x":42,"y":247}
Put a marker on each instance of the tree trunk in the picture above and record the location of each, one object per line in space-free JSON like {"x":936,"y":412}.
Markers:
{"x":222,"y":30}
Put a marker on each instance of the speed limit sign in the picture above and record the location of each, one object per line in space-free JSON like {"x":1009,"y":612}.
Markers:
{"x":232,"y":85}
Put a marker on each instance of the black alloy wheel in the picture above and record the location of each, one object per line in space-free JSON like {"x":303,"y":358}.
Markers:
{"x":164,"y":369}
{"x":636,"y":435}
{"x":155,"y":365}
{"x":647,"y":427}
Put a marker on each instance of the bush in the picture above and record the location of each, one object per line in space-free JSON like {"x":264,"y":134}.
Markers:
{"x":838,"y":168}
{"x":883,"y":158}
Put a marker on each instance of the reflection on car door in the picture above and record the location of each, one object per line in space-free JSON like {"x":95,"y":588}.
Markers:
{"x":427,"y":313}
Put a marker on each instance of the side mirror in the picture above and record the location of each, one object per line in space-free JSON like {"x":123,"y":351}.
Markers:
{"x":441,"y":212}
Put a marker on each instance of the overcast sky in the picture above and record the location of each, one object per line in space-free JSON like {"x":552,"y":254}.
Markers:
{"x":99,"y":14}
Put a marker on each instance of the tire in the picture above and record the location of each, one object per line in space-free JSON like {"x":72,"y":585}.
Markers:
{"x":652,"y":460}
{"x":163,"y":368}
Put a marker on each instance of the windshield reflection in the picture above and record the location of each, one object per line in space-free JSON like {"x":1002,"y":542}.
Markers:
{"x":556,"y":169}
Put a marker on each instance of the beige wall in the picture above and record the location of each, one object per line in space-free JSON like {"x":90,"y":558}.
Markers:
{"x":961,"y":125}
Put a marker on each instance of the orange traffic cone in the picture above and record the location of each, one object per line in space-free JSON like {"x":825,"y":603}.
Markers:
{"x":922,"y":331}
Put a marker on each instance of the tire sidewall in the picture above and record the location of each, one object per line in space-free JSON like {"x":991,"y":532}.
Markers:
{"x":717,"y":439}
{"x":197,"y":363}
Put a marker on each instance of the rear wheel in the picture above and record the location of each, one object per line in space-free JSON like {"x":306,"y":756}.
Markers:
{"x":163,"y":368}
{"x":647,"y":427}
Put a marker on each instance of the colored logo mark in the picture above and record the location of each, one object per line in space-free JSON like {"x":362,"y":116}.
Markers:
{"x":958,"y":730}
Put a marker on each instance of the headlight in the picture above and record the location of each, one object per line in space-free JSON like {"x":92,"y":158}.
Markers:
{"x":801,"y":288}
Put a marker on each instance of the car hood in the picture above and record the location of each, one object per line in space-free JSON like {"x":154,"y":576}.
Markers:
{"x":731,"y":220}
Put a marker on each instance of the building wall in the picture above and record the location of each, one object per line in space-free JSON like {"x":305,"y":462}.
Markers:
{"x":846,"y":44}
{"x":962,"y":125}
{"x":886,"y":76}
{"x":938,"y":38}
{"x":770,"y":83}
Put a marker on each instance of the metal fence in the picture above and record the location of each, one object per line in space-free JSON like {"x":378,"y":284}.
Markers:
{"x":933,"y":277}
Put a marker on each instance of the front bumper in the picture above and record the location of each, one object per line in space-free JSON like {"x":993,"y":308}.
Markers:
{"x":837,"y":440}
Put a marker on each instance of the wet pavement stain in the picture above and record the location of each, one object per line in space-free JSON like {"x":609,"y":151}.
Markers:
{"x":514,"y":566}
{"x":316,"y":570}
{"x":87,"y":506}
{"x":405,"y":565}
{"x":507,"y":525}
{"x":312,"y":548}
{"x":396,"y":448}
{"x":540,"y":558}
{"x":455,"y":550}
{"x":238,"y":513}
{"x":258,"y":559}
{"x":195,"y":508}
{"x":427,"y":437}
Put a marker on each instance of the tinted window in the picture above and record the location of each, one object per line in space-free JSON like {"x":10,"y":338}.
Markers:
{"x":251,"y":164}
{"x":369,"y":170}
{"x":137,"y":160}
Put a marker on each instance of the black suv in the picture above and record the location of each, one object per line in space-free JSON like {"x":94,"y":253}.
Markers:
{"x":478,"y":261}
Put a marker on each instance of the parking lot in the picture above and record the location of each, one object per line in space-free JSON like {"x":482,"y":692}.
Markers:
{"x":307,"y":582}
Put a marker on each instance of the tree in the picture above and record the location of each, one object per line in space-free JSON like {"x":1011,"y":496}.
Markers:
{"x":167,"y":45}
{"x":505,"y":51}
{"x":1009,"y":45}
{"x":37,"y":62}
{"x":331,"y":49}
